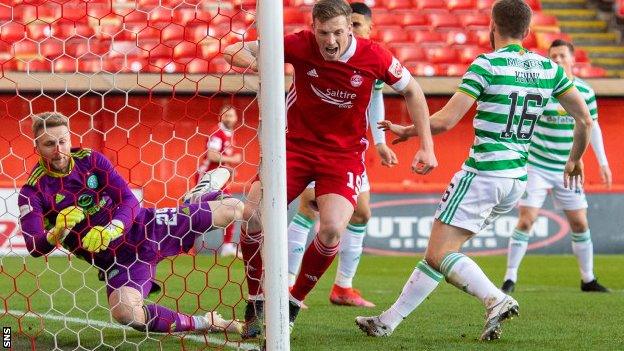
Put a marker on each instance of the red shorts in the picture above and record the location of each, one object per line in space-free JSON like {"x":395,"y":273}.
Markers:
{"x":333,"y":173}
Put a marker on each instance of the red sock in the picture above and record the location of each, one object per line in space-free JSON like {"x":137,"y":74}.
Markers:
{"x":250,"y":245}
{"x":316,"y":260}
{"x":228,"y":234}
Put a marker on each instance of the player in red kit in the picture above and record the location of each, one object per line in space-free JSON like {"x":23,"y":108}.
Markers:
{"x":326,"y":110}
{"x":220,"y":153}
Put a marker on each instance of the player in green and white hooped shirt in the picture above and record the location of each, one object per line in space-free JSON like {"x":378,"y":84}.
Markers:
{"x":547,"y":156}
{"x":511,"y":87}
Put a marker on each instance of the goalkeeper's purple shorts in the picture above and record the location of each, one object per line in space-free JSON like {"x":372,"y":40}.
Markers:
{"x":164,"y":232}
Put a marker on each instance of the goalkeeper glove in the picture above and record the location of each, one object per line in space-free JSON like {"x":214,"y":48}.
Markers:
{"x":98,"y":238}
{"x":67,"y":219}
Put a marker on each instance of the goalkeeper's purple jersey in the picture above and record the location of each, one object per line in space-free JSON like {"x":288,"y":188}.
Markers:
{"x":92,"y":184}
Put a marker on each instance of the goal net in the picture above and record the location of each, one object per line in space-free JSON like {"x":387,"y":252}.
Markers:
{"x":144,"y":83}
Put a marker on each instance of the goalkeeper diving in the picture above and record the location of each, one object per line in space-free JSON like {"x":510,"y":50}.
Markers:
{"x":75,"y":198}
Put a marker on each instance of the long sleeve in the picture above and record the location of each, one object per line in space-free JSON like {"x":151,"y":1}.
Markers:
{"x":31,"y":222}
{"x":117,"y":188}
{"x":598,"y":145}
{"x":376,"y":113}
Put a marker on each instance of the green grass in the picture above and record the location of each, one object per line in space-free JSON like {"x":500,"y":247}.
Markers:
{"x":554,"y":314}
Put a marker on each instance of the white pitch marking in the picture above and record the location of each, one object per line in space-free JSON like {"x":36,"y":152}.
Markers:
{"x":102,"y":324}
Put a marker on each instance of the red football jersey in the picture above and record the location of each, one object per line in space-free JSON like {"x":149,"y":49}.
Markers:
{"x":220,"y":140}
{"x":328,"y":101}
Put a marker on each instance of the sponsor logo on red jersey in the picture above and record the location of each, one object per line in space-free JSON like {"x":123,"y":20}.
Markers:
{"x":340,"y":98}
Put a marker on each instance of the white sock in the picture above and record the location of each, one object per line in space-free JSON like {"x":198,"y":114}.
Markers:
{"x":298,"y":231}
{"x":350,"y":252}
{"x":517,"y":248}
{"x":583,"y":249}
{"x":421,"y":283}
{"x":466,"y":275}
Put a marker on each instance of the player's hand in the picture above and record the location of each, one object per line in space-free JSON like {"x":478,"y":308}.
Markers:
{"x":573,"y":175}
{"x":605,"y":175}
{"x":424,"y":162}
{"x":400,"y":131}
{"x":388,"y":157}
{"x":66,"y":219}
{"x":98,"y":238}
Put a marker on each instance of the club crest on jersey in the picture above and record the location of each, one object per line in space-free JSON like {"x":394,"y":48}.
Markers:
{"x":396,"y":68}
{"x":356,"y":80}
{"x":92,"y":181}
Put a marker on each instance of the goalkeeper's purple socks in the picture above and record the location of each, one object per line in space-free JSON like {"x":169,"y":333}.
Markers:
{"x":163,"y":320}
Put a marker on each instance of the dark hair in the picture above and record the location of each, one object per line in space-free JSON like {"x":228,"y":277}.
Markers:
{"x":561,"y":42}
{"x":325,"y":10}
{"x":362,"y":9}
{"x":43,"y":121}
{"x":512,"y":18}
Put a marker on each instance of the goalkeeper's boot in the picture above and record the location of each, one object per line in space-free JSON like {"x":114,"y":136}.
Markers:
{"x":508,"y":286}
{"x":254,"y":317}
{"x":210,"y":184}
{"x":217,"y":324}
{"x":495,"y":315}
{"x":373,"y":326}
{"x":293,"y":311}
{"x":348,"y":297}
{"x":593,"y":286}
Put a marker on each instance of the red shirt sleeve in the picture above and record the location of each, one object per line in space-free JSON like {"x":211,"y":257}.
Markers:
{"x":392,"y":71}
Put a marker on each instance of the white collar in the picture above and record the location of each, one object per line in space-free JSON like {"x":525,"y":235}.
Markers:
{"x":350,"y":50}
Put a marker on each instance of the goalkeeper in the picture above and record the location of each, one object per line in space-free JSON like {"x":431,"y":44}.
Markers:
{"x":75,"y":198}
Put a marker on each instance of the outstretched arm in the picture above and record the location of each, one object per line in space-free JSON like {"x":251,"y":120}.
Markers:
{"x":424,"y":160}
{"x":242,"y":54}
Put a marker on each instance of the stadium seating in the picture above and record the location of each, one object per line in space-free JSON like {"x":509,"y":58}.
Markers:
{"x":434,"y":37}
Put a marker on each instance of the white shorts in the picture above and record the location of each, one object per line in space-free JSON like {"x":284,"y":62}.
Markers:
{"x":541,"y":181}
{"x":473,"y":201}
{"x":365,"y":187}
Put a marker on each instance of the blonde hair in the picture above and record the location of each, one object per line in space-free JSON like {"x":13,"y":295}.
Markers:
{"x":45,"y":120}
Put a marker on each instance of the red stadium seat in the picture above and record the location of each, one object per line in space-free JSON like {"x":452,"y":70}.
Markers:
{"x":185,"y":51}
{"x":408,"y":52}
{"x":455,"y":70}
{"x":210,"y":49}
{"x":160,"y":16}
{"x":6,"y":14}
{"x":184,"y":15}
{"x":172,"y":34}
{"x":294,"y":28}
{"x":542,"y":22}
{"x":294,"y":15}
{"x":34,"y":66}
{"x":385,"y":18}
{"x":395,"y":4}
{"x":51,"y":48}
{"x":11,"y":32}
{"x":49,"y":12}
{"x":197,"y":65}
{"x":219,"y":65}
{"x":470,"y":53}
{"x":475,"y":20}
{"x":444,"y":21}
{"x":431,"y":5}
{"x":66,"y":29}
{"x":25,"y":49}
{"x":588,"y":71}
{"x":301,"y":3}
{"x":160,"y":51}
{"x":442,"y":55}
{"x":423,"y":69}
{"x":98,"y":11}
{"x":483,"y":37}
{"x":530,"y":41}
{"x":485,"y":6}
{"x":427,"y":38}
{"x":581,"y":56}
{"x":196,"y":33}
{"x":459,"y":38}
{"x":413,"y":19}
{"x":462,"y":5}
{"x":389,"y":34}
{"x":38,"y":30}
{"x":75,"y":12}
{"x":535,"y":5}
{"x":65,"y":64}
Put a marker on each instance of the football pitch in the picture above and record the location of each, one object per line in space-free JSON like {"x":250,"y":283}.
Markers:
{"x":68,"y":307}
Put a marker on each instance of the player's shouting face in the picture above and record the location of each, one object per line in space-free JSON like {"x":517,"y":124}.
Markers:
{"x":332,"y":36}
{"x":53,"y":145}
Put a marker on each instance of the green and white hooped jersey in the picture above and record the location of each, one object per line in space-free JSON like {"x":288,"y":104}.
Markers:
{"x":554,"y":132}
{"x":512,"y":86}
